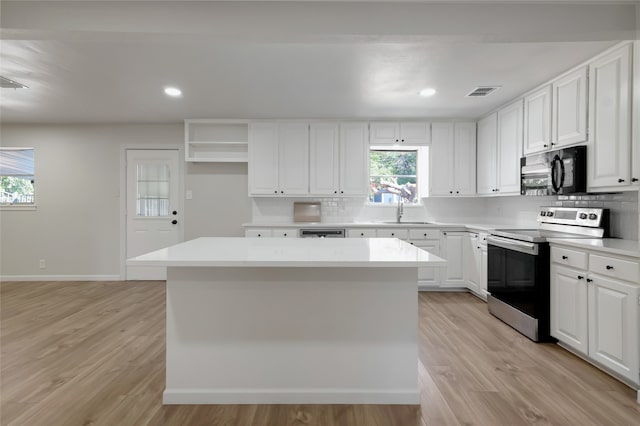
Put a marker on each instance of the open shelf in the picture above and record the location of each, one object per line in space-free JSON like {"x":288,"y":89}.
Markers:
{"x":216,"y":140}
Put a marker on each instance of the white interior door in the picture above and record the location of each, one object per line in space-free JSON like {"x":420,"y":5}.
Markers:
{"x":153,"y":215}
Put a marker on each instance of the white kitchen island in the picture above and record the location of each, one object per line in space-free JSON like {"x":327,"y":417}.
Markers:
{"x":288,"y":320}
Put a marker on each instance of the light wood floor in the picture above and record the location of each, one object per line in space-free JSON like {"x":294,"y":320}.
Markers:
{"x":92,"y":353}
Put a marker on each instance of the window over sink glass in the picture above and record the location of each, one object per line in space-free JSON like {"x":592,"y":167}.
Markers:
{"x":394,"y":174}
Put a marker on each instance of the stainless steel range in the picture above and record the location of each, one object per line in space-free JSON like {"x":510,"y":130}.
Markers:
{"x":518,"y":265}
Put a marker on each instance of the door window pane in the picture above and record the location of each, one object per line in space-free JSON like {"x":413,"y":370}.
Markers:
{"x":152,"y":190}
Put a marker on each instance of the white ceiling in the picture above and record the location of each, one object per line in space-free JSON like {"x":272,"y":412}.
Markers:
{"x":89,"y":62}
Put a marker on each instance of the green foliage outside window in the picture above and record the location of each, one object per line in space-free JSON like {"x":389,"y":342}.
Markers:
{"x":16,"y":190}
{"x":393,"y":174}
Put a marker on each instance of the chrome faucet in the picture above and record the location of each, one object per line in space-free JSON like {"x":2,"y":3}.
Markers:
{"x":400,"y":210}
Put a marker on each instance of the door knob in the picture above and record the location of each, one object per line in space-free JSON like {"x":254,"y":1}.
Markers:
{"x":620,"y":180}
{"x":174,"y":212}
{"x":174,"y":222}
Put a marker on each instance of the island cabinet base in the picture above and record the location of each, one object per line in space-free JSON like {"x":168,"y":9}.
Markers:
{"x":299,"y":335}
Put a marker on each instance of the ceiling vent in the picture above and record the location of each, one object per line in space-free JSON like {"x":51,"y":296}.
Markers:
{"x":482,"y":91}
{"x":7,"y":83}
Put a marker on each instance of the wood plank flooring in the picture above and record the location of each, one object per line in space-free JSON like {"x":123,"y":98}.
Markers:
{"x":92,"y":353}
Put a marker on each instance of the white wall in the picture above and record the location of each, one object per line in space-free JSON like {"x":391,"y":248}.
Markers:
{"x":76,"y":227}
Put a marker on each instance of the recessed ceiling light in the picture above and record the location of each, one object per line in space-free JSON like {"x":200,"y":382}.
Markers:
{"x":430,"y":91}
{"x":174,"y":92}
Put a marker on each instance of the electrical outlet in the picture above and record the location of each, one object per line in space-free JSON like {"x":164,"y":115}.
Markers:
{"x":43,"y":264}
{"x":189,"y":194}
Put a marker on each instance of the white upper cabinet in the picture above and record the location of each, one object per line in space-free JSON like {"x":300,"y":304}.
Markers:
{"x":324,"y":159}
{"x":537,"y":121}
{"x":509,"y":148}
{"x":354,"y":158}
{"x":610,"y":119}
{"x":278,"y":159}
{"x":487,"y":176}
{"x":453,"y":159}
{"x":569,"y":118}
{"x":400,"y":133}
{"x":441,"y":157}
{"x":635,"y":149}
{"x":464,"y":165}
{"x":339,"y":159}
{"x":263,"y":159}
{"x":293,"y":167}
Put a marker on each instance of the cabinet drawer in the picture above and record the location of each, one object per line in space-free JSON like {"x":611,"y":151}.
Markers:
{"x":616,"y":268}
{"x":285,"y":233}
{"x":573,"y":258}
{"x":424,"y":234}
{"x":258,"y":233}
{"x":361,"y":233}
{"x":403,"y":234}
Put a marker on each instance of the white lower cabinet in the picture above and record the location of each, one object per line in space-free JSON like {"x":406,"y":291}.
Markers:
{"x":597,"y":315}
{"x":361,"y":233}
{"x":258,"y":233}
{"x":452,"y":251}
{"x":472,"y":262}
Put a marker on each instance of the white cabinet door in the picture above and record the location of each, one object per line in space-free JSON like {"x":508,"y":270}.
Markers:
{"x":635,"y":149}
{"x":415,"y":133}
{"x":324,"y":157}
{"x":263,"y":159}
{"x":258,"y":233}
{"x":537,"y":121}
{"x":569,"y":119}
{"x":609,"y":118}
{"x":285,"y":233}
{"x":441,"y":154}
{"x":613,"y":325}
{"x":509,"y":148}
{"x":384,"y":133}
{"x":361,"y":233}
{"x":452,"y":250}
{"x":293,"y":166}
{"x":486,"y":158}
{"x":428,"y":277}
{"x":354,"y":159}
{"x":472,"y":265}
{"x":464,"y":164}
{"x":569,"y":322}
{"x":484,"y":274}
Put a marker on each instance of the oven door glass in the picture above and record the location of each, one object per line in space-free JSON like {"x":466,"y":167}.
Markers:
{"x":517,"y":279}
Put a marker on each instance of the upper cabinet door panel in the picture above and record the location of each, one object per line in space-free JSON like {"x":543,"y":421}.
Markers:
{"x":464,"y":163}
{"x":537,"y":121}
{"x":263,"y":159}
{"x":610,"y":115}
{"x":294,"y":159}
{"x":384,"y":133}
{"x":441,"y":175}
{"x":487,"y":147}
{"x":509,"y":148}
{"x":570,"y":108}
{"x":354,"y":159}
{"x":324,"y":159}
{"x":418,"y":133}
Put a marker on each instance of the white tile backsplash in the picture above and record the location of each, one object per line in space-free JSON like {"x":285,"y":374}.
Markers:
{"x":508,"y":210}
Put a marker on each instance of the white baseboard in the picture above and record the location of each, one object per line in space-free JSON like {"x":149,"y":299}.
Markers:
{"x":60,"y":278}
{"x":290,"y":396}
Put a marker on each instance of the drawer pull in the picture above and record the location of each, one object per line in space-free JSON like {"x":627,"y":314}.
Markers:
{"x":589,"y":280}
{"x":580,"y":277}
{"x":565,"y":257}
{"x":609,"y":267}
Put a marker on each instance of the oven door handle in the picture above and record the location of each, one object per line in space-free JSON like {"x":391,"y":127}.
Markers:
{"x":506,"y":243}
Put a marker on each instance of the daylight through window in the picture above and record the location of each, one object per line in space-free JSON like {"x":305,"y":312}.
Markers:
{"x":393,"y":174}
{"x":17,"y":177}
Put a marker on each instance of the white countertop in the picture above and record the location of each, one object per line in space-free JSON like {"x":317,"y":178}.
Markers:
{"x":290,"y":252}
{"x":608,"y":245}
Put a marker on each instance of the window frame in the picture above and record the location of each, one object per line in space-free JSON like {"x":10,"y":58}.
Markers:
{"x":422,"y":160}
{"x":23,"y":207}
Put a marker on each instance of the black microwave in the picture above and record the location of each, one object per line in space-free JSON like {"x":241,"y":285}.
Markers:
{"x":559,"y":172}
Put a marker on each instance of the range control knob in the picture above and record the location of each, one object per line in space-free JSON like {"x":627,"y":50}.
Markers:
{"x":543,"y":213}
{"x":593,"y":216}
{"x":583,"y":215}
{"x":549,"y":214}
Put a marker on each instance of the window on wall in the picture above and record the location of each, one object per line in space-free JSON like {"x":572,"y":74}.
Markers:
{"x":17,"y":177}
{"x":393,"y":174}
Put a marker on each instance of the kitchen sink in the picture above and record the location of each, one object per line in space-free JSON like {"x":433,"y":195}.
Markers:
{"x":394,"y":222}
